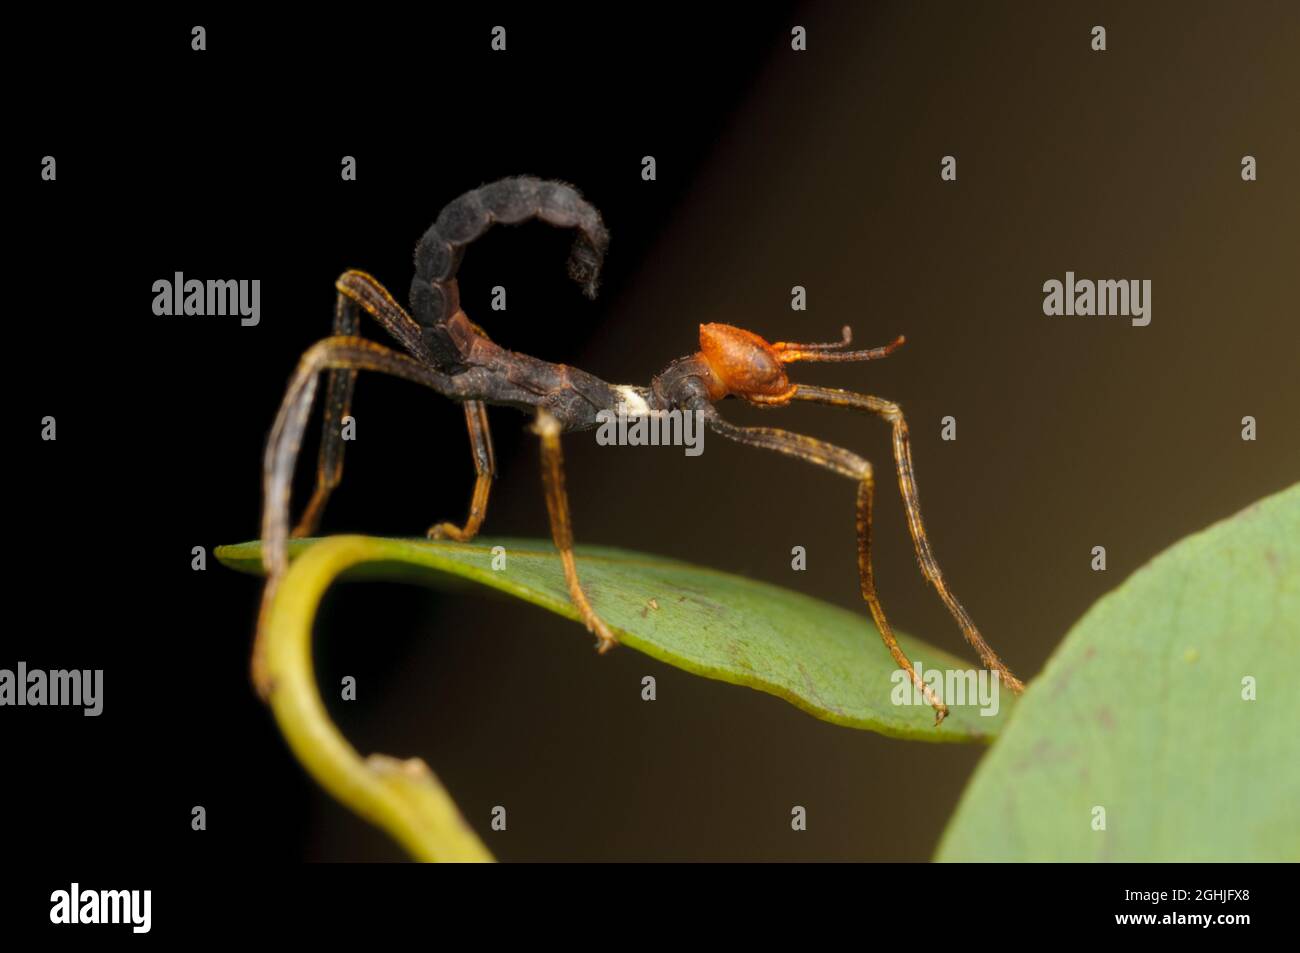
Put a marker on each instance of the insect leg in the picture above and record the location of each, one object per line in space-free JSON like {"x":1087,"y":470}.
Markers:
{"x":891,"y":412}
{"x":845,"y":463}
{"x":349,"y":354}
{"x":557,"y":508}
{"x":357,"y":292}
{"x":485,"y":468}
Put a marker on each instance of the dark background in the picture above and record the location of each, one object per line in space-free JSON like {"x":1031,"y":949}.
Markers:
{"x":775,"y":168}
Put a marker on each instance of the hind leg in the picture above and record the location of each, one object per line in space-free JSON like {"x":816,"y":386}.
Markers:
{"x":357,"y":292}
{"x":485,"y":468}
{"x":557,"y":507}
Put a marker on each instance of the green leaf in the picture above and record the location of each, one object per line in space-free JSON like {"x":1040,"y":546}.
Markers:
{"x":827,"y":661}
{"x":1141,"y":712}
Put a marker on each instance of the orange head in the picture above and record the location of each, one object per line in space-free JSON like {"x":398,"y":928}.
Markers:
{"x":742,"y":363}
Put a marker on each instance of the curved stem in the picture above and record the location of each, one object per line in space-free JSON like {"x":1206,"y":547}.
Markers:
{"x":404,"y":798}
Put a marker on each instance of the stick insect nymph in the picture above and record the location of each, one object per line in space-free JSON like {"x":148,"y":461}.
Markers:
{"x":445,"y":351}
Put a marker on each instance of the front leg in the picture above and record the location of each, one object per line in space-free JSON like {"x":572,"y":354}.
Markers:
{"x":891,"y":412}
{"x":848,"y":464}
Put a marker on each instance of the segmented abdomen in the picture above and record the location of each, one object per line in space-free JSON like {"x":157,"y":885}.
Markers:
{"x":434,"y":296}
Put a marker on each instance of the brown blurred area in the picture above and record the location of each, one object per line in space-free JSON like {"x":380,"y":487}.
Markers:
{"x":1072,"y":431}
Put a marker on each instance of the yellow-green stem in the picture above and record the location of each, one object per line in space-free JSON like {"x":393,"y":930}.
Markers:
{"x":404,"y":798}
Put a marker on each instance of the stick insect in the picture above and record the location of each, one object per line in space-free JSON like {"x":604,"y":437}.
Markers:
{"x":444,"y":350}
